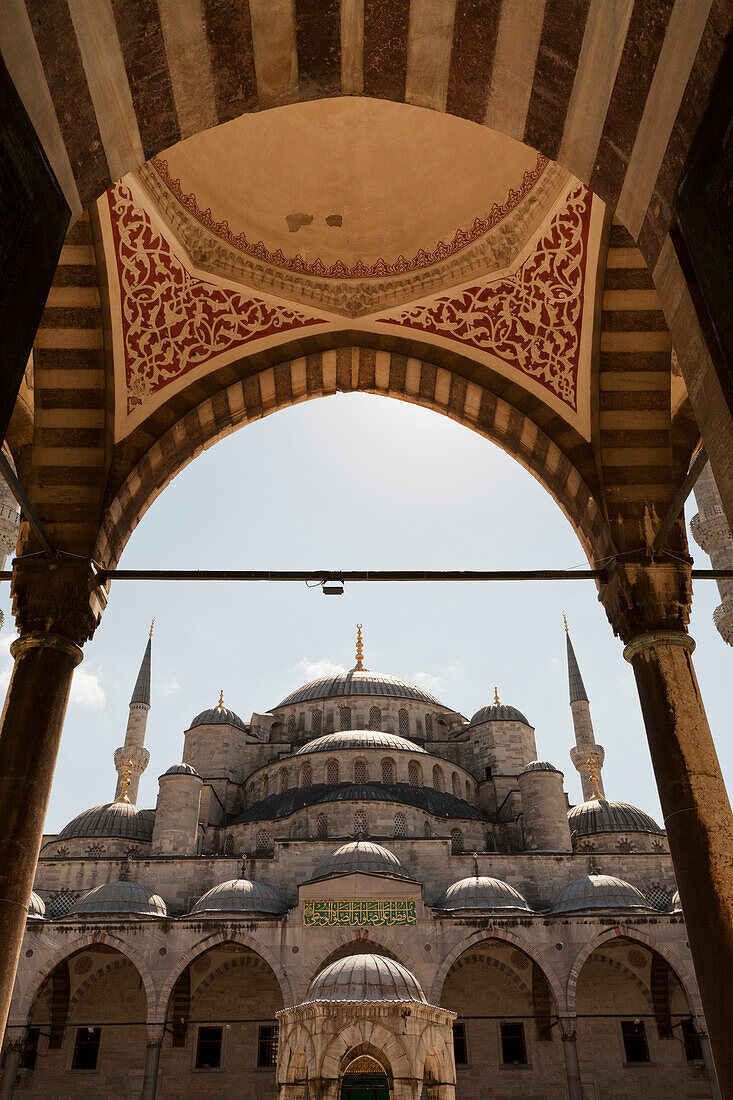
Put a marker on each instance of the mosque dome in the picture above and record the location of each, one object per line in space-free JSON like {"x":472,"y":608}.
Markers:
{"x":599,"y":892}
{"x":240,"y":895}
{"x":182,"y":769}
{"x":482,"y":892}
{"x":218,"y":716}
{"x":540,"y":766}
{"x":36,"y":907}
{"x":360,"y":855}
{"x":365,"y":978}
{"x":126,"y":897}
{"x":358,"y":682}
{"x":498,"y":712}
{"x":114,"y":819}
{"x":359,"y":739}
{"x":599,"y":815}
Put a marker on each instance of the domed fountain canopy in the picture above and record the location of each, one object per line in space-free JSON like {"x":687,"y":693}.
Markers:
{"x":120,"y":898}
{"x":360,"y":855}
{"x":36,"y":907}
{"x":365,"y":978}
{"x":113,"y":819}
{"x":240,"y":895}
{"x":599,"y":892}
{"x":601,"y":815}
{"x":483,"y":892}
{"x":359,"y":739}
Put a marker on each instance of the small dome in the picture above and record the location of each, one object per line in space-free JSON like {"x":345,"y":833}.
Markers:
{"x":599,"y":892}
{"x":498,"y":712}
{"x":360,"y":855}
{"x":676,"y":903}
{"x":482,"y":892}
{"x":128,"y":898}
{"x":540,"y":766}
{"x":240,"y":895}
{"x":114,"y":819}
{"x":218,"y":716}
{"x":182,"y":769}
{"x":598,"y":815}
{"x":365,"y":978}
{"x":36,"y":907}
{"x":357,"y":682}
{"x":359,"y":739}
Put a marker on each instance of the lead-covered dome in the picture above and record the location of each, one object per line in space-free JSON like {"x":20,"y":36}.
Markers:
{"x":599,"y":815}
{"x":182,"y":769}
{"x":359,"y":739}
{"x":240,"y":895}
{"x":114,"y":819}
{"x":483,"y":892}
{"x":36,"y":907}
{"x":122,"y":898}
{"x":365,"y":978}
{"x":498,"y":712}
{"x":218,"y":716}
{"x":540,"y":766}
{"x":358,"y":682}
{"x":599,"y":892}
{"x":360,"y":855}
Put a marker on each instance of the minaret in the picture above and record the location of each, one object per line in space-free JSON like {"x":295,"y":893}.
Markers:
{"x":587,"y":756}
{"x":131,"y":759}
{"x":710,"y":531}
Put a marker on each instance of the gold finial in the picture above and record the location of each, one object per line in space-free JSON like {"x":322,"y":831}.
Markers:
{"x":565,"y":621}
{"x":151,"y":627}
{"x":593,"y":776}
{"x":125,"y":783}
{"x":496,"y":697}
{"x":359,"y":666}
{"x":220,"y":704}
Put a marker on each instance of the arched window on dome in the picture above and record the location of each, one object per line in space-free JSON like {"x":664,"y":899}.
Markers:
{"x":388,"y":772}
{"x":456,"y":784}
{"x":375,"y":718}
{"x":292,"y":727}
{"x":456,"y":842}
{"x":250,"y":794}
{"x":428,"y":725}
{"x":360,"y":771}
{"x":414,"y":774}
{"x":345,"y":718}
{"x":400,"y":825}
{"x":229,"y":845}
{"x":438,"y":778}
{"x":284,"y":781}
{"x":263,"y":844}
{"x":322,"y":827}
{"x":403,"y":720}
{"x":332,"y":773}
{"x":427,"y":829}
{"x":306,"y":776}
{"x":360,"y":825}
{"x":468,"y":791}
{"x":316,"y":722}
{"x":265,"y":786}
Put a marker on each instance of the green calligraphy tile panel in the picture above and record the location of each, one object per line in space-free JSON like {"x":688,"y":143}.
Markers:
{"x":322,"y":913}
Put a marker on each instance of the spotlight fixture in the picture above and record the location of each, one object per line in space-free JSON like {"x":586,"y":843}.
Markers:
{"x":333,"y":587}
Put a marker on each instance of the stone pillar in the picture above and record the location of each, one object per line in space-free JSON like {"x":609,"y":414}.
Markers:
{"x":544,"y":810}
{"x":707,"y":1057}
{"x":156,"y":1033}
{"x":13,"y":1053}
{"x":569,"y":1038}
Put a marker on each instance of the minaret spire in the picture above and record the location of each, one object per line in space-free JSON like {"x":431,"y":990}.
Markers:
{"x":587,"y":756}
{"x":131,"y":759}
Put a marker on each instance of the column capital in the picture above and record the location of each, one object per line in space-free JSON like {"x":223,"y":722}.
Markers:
{"x":568,"y":1028}
{"x":645,"y":598}
{"x":61,"y":597}
{"x":155,"y":1034}
{"x":656,"y":638}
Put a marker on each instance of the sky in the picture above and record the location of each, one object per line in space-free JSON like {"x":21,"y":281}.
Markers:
{"x":360,"y":482}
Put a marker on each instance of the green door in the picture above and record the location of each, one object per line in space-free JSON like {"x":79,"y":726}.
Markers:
{"x":369,"y":1086}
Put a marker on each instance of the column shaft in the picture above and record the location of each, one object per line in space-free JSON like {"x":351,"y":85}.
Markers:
{"x":697,"y":816}
{"x":150,"y":1081}
{"x":30,"y":730}
{"x":10,"y":1070}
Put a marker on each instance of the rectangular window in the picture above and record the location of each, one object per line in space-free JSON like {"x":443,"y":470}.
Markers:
{"x":513,"y":1049}
{"x":267,"y":1046}
{"x":208,"y":1048}
{"x":29,"y":1054}
{"x":691,"y":1039}
{"x":459,"y":1044}
{"x":635,"y":1044}
{"x":86,"y":1048}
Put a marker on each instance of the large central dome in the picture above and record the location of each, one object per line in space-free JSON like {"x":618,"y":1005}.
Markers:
{"x":358,"y":682}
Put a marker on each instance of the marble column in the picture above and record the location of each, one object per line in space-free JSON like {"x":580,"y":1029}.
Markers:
{"x":11,"y":1065}
{"x":568,"y":1035}
{"x":707,"y":1057}
{"x":155,"y":1035}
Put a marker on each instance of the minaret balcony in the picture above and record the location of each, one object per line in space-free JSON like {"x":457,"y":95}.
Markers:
{"x":710,"y":527}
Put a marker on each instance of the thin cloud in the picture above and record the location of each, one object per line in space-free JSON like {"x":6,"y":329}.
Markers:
{"x":171,"y":686}
{"x":87,"y":691}
{"x":440,"y":679}
{"x":314,"y":670}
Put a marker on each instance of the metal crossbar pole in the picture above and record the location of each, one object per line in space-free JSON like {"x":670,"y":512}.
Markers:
{"x":320,"y":576}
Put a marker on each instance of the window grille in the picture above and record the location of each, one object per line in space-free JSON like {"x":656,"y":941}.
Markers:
{"x":404,"y":724}
{"x":468,"y":791}
{"x":306,"y":776}
{"x":95,"y":850}
{"x":62,"y":851}
{"x":659,"y":898}
{"x":437,"y":778}
{"x":345,"y":718}
{"x":263,"y":842}
{"x":267,"y":1046}
{"x":691,"y":1039}
{"x":208,"y":1048}
{"x":427,"y":829}
{"x":388,"y":772}
{"x":625,"y":845}
{"x":229,"y":846}
{"x":360,"y":771}
{"x":292,"y":727}
{"x":375,"y":718}
{"x":29,"y":1054}
{"x":586,"y":846}
{"x":61,"y":904}
{"x":456,"y":842}
{"x":413,"y":773}
{"x":428,"y":725}
{"x":332,"y":772}
{"x":86,"y":1048}
{"x":456,"y":784}
{"x":459,"y":1044}
{"x":636,"y":1048}
{"x":265,"y":786}
{"x":513,"y":1047}
{"x":322,"y":827}
{"x":400,"y":825}
{"x":490,"y":842}
{"x":360,"y":825}
{"x":283,"y":780}
{"x":316,"y":722}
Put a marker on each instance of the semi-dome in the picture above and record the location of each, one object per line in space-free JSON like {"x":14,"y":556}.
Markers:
{"x":359,"y":739}
{"x":218,"y":716}
{"x":599,"y":815}
{"x":365,"y":978}
{"x":498,"y":712}
{"x":127,"y":898}
{"x":482,"y":892}
{"x":358,"y":682}
{"x":599,"y":892}
{"x":240,"y":895}
{"x":36,"y":907}
{"x":540,"y":766}
{"x":182,"y":769}
{"x":113,"y":819}
{"x":360,"y":855}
